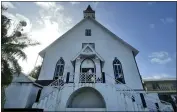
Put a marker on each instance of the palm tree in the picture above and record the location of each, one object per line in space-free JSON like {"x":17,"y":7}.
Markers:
{"x":12,"y":49}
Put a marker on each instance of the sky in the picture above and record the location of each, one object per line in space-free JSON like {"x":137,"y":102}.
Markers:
{"x":150,"y":27}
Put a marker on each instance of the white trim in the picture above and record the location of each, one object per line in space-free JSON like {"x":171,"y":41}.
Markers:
{"x":82,"y":52}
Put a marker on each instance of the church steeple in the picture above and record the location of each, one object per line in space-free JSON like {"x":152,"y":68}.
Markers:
{"x":89,"y":12}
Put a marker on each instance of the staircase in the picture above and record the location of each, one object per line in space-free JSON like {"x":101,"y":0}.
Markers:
{"x":49,"y":101}
{"x":129,"y":94}
{"x":128,"y":97}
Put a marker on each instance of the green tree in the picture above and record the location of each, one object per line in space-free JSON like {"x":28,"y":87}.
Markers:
{"x":35,"y":72}
{"x":12,"y":49}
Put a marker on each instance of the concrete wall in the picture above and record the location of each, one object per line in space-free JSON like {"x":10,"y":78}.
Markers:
{"x":45,"y":91}
{"x":106,"y":46}
{"x":32,"y":96}
{"x":20,"y":95}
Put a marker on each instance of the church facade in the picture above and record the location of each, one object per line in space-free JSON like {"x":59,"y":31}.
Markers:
{"x":90,"y":69}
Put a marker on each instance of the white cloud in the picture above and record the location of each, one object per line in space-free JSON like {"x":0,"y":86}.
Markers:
{"x":170,"y":20}
{"x":9,"y":15}
{"x":28,"y":27}
{"x":74,"y":3}
{"x":45,"y":36}
{"x":47,"y":27}
{"x":151,"y":3}
{"x":158,"y":76}
{"x":163,"y":20}
{"x":15,"y":19}
{"x":160,"y":57}
{"x":51,"y":22}
{"x":30,"y":51}
{"x":46,"y":5}
{"x":8,"y":5}
{"x":152,"y":25}
{"x":167,"y":20}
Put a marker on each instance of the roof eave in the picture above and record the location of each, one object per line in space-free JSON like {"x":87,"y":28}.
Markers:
{"x":41,"y":53}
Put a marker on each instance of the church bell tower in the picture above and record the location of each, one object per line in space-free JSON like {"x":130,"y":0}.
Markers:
{"x":89,"y":12}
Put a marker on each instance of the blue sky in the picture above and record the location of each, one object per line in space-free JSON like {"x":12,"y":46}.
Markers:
{"x":150,"y":27}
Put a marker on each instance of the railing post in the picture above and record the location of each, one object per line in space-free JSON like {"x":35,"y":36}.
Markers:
{"x":85,"y":75}
{"x":58,"y":85}
{"x":94,"y":78}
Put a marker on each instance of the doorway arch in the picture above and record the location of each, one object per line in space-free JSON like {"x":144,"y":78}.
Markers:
{"x":86,"y":65}
{"x":86,"y":97}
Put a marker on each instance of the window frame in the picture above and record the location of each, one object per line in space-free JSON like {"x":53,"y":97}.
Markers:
{"x":118,"y":71}
{"x":88,"y":32}
{"x":59,"y":69}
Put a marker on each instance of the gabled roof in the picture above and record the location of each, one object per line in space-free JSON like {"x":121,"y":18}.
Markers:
{"x":42,"y":53}
{"x":85,"y":51}
{"x":22,"y":78}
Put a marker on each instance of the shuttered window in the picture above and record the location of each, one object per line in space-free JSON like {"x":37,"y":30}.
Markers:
{"x":88,"y":32}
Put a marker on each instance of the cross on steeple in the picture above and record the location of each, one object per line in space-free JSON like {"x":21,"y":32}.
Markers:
{"x":89,"y":12}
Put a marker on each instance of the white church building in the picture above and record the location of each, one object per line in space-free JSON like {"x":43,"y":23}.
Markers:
{"x":86,"y":69}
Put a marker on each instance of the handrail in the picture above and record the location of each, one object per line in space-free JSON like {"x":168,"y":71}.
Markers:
{"x":52,"y":90}
{"x":133,"y":90}
{"x":56,"y":82}
{"x":126,"y":93}
{"x":137,"y":92}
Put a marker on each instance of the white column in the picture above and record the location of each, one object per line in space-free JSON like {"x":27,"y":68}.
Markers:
{"x":77,"y":71}
{"x":98,"y":68}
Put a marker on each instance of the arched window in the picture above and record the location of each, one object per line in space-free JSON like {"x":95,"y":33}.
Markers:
{"x":118,"y":72}
{"x":59,"y":69}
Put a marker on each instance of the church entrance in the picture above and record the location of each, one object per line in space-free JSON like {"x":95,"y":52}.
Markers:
{"x":85,"y":98}
{"x":87,"y":71}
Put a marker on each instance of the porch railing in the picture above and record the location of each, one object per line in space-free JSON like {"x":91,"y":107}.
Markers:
{"x":87,"y":78}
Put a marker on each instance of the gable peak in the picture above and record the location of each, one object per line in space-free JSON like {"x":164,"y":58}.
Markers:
{"x":89,"y":9}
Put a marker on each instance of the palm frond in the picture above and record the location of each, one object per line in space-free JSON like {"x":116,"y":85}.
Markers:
{"x":16,"y":53}
{"x":12,"y":47}
{"x":14,"y":64}
{"x":6,"y":72}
